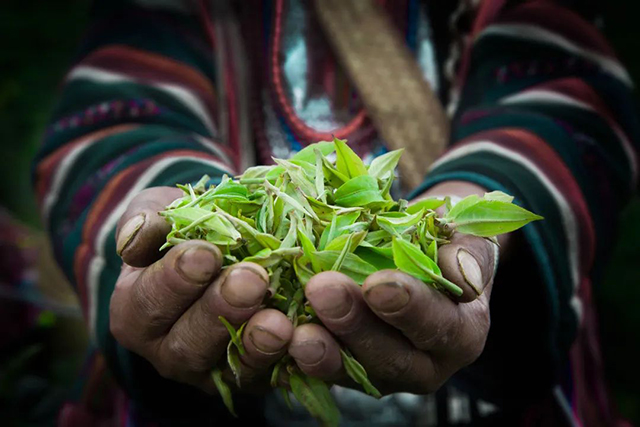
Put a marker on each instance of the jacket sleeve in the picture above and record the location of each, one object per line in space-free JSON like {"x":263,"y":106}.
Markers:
{"x":139,"y":108}
{"x":546,"y":114}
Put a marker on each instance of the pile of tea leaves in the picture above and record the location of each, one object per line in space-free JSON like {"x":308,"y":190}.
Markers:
{"x":309,"y":214}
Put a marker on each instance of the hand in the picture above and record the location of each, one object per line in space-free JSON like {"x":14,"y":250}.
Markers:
{"x":165,"y":307}
{"x":408,"y":336}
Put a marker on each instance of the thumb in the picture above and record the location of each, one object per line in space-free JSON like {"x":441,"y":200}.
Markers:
{"x":470,"y":263}
{"x":141,"y":231}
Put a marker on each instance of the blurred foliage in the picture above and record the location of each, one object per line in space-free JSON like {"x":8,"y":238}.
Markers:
{"x":38,"y":40}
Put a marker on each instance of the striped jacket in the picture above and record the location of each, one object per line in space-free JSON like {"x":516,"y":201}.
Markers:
{"x":163,"y":92}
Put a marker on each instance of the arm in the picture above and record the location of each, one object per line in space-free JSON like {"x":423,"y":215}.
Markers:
{"x":546,"y":115}
{"x":139,"y":109}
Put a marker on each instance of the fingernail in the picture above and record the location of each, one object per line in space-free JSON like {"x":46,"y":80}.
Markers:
{"x":128,"y":232}
{"x":197,"y":265}
{"x":243,"y":288}
{"x":335,"y":302}
{"x":308,"y":352}
{"x":265,"y":341}
{"x":388,"y":297}
{"x":470,"y":270}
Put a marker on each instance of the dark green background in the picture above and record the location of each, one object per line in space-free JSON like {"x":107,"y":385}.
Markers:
{"x":38,"y":40}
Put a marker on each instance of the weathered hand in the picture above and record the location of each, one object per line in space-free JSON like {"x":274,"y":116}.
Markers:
{"x":165,"y":307}
{"x":408,"y":336}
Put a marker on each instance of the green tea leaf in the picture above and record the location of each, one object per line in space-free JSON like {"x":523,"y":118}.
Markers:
{"x":329,"y":233}
{"x":488,"y":218}
{"x":386,"y":188}
{"x":275,"y":374}
{"x":309,"y":168}
{"x":426,"y":204}
{"x":461,"y":205}
{"x":356,"y":227}
{"x":235,"y":336}
{"x":307,"y":154}
{"x":285,"y":396}
{"x":310,"y":251}
{"x":323,"y":210}
{"x":347,"y":162}
{"x":344,"y":221}
{"x":187,"y":216}
{"x":375,"y":258}
{"x":233,"y":359}
{"x":298,"y":177}
{"x":345,"y":250}
{"x":319,"y":178}
{"x":224,"y":390}
{"x":217,"y":239}
{"x":202,"y":183}
{"x":333,"y":175}
{"x":383,"y":165}
{"x":432,"y":251}
{"x":357,"y":373}
{"x":230,"y":188}
{"x":239,"y":223}
{"x":376,"y":237}
{"x":275,"y":174}
{"x":290,"y":201}
{"x":359,"y":191}
{"x":302,"y":272}
{"x":340,"y":242}
{"x":499,"y":196}
{"x":353,"y":266}
{"x":299,"y":195}
{"x":268,"y":258}
{"x":290,"y":239}
{"x":399,"y":220}
{"x":295,"y":306}
{"x":411,"y":260}
{"x":268,"y":241}
{"x":255,"y":172}
{"x":314,"y":395}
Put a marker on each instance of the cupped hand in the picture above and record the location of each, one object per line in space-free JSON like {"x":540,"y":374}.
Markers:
{"x":165,"y":306}
{"x":408,"y":336}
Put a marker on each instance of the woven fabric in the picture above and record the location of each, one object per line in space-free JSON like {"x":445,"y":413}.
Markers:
{"x":404,"y":109}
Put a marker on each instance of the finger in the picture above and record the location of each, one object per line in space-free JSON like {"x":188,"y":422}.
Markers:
{"x":316,"y":352}
{"x":265,"y":340}
{"x":146,"y":302}
{"x":198,"y":339}
{"x":427,"y":317}
{"x":141,"y":231}
{"x":470,"y":263}
{"x":383,"y":351}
